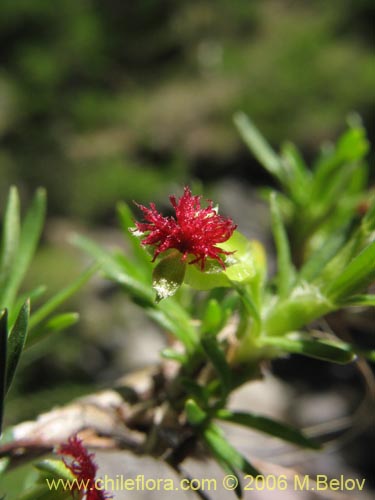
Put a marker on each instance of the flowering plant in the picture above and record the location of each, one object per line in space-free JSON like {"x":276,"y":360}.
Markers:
{"x":325,"y":263}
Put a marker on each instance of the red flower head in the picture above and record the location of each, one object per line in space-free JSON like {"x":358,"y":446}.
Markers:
{"x":194,"y":230}
{"x":83,"y":467}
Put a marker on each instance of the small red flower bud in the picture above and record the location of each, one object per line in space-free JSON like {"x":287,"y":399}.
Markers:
{"x":194,"y":230}
{"x":82,"y":465}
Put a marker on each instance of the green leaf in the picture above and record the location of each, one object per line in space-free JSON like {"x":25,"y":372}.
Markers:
{"x":248,"y":302}
{"x":269,"y":426}
{"x":55,"y":468}
{"x":30,"y":234}
{"x":305,"y":303}
{"x":32,"y":295}
{"x":168,"y":317}
{"x":351,"y":147}
{"x":359,"y":300}
{"x":285,"y":268}
{"x":168,"y":276}
{"x":212,"y":317}
{"x":216,"y":355}
{"x":222,"y":449}
{"x":212,"y":277}
{"x":359,"y":274}
{"x":194,"y":413}
{"x":128,"y":280}
{"x":198,"y":392}
{"x":16,"y":342}
{"x":168,"y":353}
{"x":3,"y":360}
{"x":259,"y":147}
{"x":53,"y":325}
{"x":11,"y":233}
{"x":318,"y":260}
{"x":325,"y":350}
{"x":126,"y":219}
{"x":297,"y":173}
{"x":58,"y":299}
{"x":241,"y":266}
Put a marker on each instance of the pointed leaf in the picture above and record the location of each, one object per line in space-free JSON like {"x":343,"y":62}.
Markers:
{"x":53,"y":325}
{"x":359,"y":274}
{"x":259,"y":147}
{"x":320,"y":258}
{"x":285,"y":268}
{"x":11,"y":233}
{"x":184,"y":332}
{"x":194,"y":413}
{"x":30,"y":234}
{"x":168,"y":353}
{"x":221,"y":448}
{"x":359,"y":300}
{"x":115,"y":271}
{"x":334,"y":352}
{"x":58,"y":299}
{"x":216,"y":355}
{"x":127,"y":222}
{"x":32,"y":295}
{"x":269,"y":426}
{"x":16,"y":342}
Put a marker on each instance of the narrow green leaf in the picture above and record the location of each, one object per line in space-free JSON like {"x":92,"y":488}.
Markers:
{"x":168,"y":353}
{"x":3,"y":360}
{"x":359,"y":274}
{"x":16,"y":342}
{"x":32,"y":295}
{"x":58,"y":299}
{"x":114,"y":271}
{"x":259,"y":147}
{"x":334,"y":352}
{"x":185,"y":333}
{"x":350,"y":148}
{"x":30,"y":234}
{"x":318,"y":260}
{"x":194,"y":413}
{"x":221,"y":448}
{"x":247,"y":301}
{"x":11,"y":233}
{"x":359,"y":300}
{"x":297,"y":173}
{"x":285,"y":268}
{"x":55,"y":324}
{"x":269,"y":426}
{"x":216,"y":355}
{"x":126,"y":219}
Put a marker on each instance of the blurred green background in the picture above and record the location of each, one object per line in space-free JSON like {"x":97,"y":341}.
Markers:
{"x":119,"y":99}
{"x":93,"y":92}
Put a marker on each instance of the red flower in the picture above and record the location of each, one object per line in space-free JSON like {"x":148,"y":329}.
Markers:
{"x":194,"y":230}
{"x":83,"y":467}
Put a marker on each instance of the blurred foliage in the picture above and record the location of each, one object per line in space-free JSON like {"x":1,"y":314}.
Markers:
{"x":91,"y":92}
